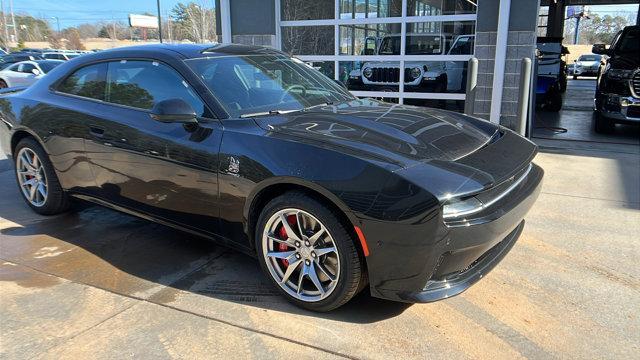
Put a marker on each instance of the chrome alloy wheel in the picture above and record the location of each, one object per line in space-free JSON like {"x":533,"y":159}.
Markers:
{"x":31,"y":177}
{"x":301,"y":255}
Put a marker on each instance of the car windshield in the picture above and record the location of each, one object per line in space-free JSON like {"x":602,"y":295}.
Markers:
{"x":252,"y":84}
{"x":416,"y":45}
{"x":47,"y":66}
{"x":71,"y":56}
{"x":629,"y":44}
{"x":589,"y":58}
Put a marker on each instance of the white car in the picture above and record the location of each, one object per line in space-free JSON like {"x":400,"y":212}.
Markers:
{"x":26,"y":73}
{"x":587,"y":65}
{"x":59,"y":56}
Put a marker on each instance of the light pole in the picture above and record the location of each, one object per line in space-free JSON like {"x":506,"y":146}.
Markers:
{"x":159,"y":23}
{"x":58,"y":23}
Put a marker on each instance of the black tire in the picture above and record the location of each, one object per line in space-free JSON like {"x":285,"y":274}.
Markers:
{"x":351,"y":277}
{"x":57,"y":200}
{"x":602,"y":125}
{"x":575,"y":77}
{"x":3,"y":84}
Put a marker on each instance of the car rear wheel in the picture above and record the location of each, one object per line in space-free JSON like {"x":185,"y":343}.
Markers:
{"x":307,"y":253}
{"x":37,"y":180}
{"x":3,"y":84}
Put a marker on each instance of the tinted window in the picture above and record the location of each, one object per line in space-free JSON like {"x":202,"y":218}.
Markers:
{"x":88,"y":81}
{"x":47,"y":66}
{"x":142,"y":84}
{"x":26,"y":68}
{"x":14,"y":67}
{"x":589,"y":58}
{"x":256,"y":83}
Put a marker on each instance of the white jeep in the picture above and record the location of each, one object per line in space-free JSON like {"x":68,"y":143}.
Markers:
{"x":419,"y":76}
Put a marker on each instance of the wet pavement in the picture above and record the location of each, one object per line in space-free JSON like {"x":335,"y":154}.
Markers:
{"x":576,"y":117}
{"x":97,"y":283}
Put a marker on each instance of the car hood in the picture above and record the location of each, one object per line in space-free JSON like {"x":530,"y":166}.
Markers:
{"x":398,"y":134}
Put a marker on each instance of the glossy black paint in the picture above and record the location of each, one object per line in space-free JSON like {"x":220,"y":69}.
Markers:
{"x":385,"y":168}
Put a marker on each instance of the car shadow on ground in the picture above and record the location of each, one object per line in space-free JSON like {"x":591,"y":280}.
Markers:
{"x":131,"y":256}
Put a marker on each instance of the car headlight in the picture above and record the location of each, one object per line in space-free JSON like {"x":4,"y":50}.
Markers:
{"x":415,"y":73}
{"x":620,"y":74}
{"x":367,"y":72}
{"x":454,"y":208}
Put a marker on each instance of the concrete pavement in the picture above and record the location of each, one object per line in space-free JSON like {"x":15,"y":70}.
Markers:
{"x":97,"y":283}
{"x":576,"y":117}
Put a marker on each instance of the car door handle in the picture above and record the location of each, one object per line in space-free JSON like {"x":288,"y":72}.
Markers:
{"x":96,"y":131}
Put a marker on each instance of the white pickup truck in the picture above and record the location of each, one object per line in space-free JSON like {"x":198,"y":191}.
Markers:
{"x":419,"y":76}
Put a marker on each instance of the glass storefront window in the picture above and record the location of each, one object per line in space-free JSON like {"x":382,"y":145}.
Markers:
{"x":429,"y":76}
{"x":440,"y":7}
{"x":308,"y":40}
{"x":363,"y":39}
{"x":325,"y":67}
{"x":364,"y":9}
{"x":441,"y":38}
{"x":306,"y":9}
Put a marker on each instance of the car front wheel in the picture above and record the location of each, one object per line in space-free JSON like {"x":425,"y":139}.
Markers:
{"x":308,"y":253}
{"x":37,"y":180}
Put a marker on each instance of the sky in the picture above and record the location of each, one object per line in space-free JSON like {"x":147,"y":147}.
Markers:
{"x":75,"y":12}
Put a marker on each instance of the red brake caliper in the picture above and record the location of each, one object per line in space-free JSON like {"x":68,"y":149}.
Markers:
{"x":291,"y":219}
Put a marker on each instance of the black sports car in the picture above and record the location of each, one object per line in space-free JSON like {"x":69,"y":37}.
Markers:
{"x":256,"y":150}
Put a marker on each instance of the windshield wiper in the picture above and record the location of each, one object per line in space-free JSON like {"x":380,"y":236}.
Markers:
{"x":264,"y":113}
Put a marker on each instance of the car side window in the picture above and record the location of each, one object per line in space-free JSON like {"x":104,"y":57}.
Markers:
{"x":14,"y":67}
{"x":143,"y":83}
{"x":88,"y":81}
{"x":26,"y":68}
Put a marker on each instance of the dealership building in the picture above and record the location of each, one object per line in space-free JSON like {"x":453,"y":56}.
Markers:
{"x":365,"y":43}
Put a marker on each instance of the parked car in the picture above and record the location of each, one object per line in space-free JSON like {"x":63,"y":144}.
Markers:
{"x":617,"y":97}
{"x":64,"y":56}
{"x":9,"y":59}
{"x":424,"y":76}
{"x":248,"y":147}
{"x":26,"y":73}
{"x":586,"y":65}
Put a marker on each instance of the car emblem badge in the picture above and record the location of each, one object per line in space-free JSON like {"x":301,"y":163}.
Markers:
{"x":234,"y":166}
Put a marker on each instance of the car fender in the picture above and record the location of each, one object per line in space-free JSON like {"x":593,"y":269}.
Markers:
{"x":289,"y":180}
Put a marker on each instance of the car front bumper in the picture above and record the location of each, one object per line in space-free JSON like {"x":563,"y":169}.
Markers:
{"x":620,"y":108}
{"x":464,"y":252}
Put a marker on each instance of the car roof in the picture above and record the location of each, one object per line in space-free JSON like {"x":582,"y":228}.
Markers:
{"x":190,"y":50}
{"x":48,"y":61}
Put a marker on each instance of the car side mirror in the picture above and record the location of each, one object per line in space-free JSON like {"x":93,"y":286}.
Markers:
{"x":600,"y":49}
{"x":35,"y":72}
{"x":173,"y":111}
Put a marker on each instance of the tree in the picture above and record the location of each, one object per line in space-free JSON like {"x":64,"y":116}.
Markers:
{"x":73,"y":37}
{"x":597,"y":29}
{"x":194,"y":21}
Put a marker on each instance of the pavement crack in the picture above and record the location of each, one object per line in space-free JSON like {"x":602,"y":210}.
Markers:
{"x":84,"y":330}
{"x":592,"y":198}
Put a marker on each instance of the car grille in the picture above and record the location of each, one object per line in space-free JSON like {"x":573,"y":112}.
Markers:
{"x":635,"y":84}
{"x":388,"y":75}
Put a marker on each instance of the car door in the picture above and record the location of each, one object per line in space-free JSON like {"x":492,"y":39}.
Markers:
{"x":27,"y":77}
{"x":18,"y":76}
{"x":11,"y":75}
{"x":167,"y":170}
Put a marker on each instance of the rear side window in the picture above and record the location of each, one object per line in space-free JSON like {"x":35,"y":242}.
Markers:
{"x":26,"y":68}
{"x":88,"y":81}
{"x":142,"y":84}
